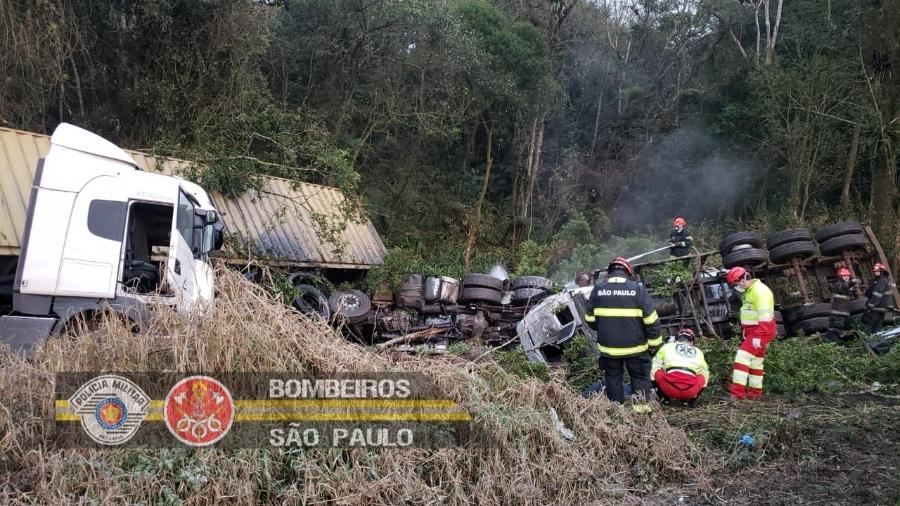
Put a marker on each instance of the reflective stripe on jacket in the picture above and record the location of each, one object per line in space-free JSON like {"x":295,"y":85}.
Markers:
{"x":680,"y":355}
{"x":758,"y":310}
{"x":622,"y":313}
{"x":678,"y":238}
{"x":880,"y":294}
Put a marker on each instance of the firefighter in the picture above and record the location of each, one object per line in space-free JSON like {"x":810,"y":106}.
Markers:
{"x":621,"y":311}
{"x":680,"y":238}
{"x":679,"y":369}
{"x":880,"y":299}
{"x":841,"y":294}
{"x":759,"y":328}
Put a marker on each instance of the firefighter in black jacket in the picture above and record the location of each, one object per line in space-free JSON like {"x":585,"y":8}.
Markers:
{"x":880,"y":300}
{"x":680,"y":238}
{"x":621,"y":311}
{"x":841,"y":294}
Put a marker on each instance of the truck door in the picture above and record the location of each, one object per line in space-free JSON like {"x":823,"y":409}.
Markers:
{"x":180,"y":267}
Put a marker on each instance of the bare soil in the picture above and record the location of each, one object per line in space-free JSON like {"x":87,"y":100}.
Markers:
{"x":840,"y":449}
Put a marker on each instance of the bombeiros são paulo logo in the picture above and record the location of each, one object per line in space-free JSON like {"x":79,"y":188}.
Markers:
{"x":199,"y":411}
{"x":111,"y":408}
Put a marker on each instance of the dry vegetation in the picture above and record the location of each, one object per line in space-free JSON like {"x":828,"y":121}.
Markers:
{"x":616,"y":457}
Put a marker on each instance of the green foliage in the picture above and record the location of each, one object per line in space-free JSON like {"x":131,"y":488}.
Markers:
{"x":665,"y":279}
{"x":806,"y":365}
{"x":517,"y":363}
{"x":398,"y":262}
{"x":530,"y":259}
{"x":582,"y":361}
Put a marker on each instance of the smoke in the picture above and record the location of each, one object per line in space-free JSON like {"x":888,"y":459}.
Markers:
{"x":687,"y":173}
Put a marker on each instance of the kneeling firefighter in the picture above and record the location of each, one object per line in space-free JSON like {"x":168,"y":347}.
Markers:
{"x":679,"y":368}
{"x":622,"y":313}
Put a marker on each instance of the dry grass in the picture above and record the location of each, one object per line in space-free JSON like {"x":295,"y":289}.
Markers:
{"x":616,"y":458}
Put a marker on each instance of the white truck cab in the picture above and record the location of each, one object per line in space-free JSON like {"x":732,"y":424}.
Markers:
{"x":102,"y":234}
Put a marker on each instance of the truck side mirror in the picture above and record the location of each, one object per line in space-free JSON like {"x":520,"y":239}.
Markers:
{"x":212,"y":217}
{"x":218,"y":237}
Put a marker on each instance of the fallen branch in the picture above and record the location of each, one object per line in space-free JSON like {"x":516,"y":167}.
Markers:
{"x":412,"y":337}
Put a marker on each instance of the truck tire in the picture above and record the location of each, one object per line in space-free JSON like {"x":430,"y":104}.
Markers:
{"x":739,"y":239}
{"x":749,"y":256}
{"x":819,"y":309}
{"x":533,"y":282}
{"x":837,"y":245}
{"x":524,"y":295}
{"x":311,"y":300}
{"x":664,"y":307}
{"x":480,"y":295}
{"x":482,"y":281}
{"x":788,"y":236}
{"x":837,"y":229}
{"x":352,"y":306}
{"x":790,"y":250}
{"x":858,"y":305}
{"x":812,"y":325}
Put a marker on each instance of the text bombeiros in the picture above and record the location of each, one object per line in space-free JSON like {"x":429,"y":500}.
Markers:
{"x":339,"y":388}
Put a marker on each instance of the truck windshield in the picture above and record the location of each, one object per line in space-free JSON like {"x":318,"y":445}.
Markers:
{"x":185,"y":219}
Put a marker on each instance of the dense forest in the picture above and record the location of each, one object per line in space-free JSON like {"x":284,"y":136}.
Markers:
{"x":548,"y":133}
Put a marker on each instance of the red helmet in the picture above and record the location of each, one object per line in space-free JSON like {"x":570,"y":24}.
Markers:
{"x":679,"y":222}
{"x":735,"y":275}
{"x":843,"y":271}
{"x":622,"y":263}
{"x":686,"y":333}
{"x":879,"y":267}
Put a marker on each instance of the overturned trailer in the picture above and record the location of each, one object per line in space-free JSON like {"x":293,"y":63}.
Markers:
{"x":799,"y":266}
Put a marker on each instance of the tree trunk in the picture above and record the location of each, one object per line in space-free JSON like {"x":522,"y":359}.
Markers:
{"x":476,"y":215}
{"x":533,"y":173}
{"x":851,"y":167}
{"x":597,"y":123}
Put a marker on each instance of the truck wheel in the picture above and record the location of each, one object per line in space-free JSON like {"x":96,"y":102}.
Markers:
{"x":524,"y":295}
{"x":837,"y":245}
{"x":352,"y":306}
{"x":311,"y":300}
{"x":739,"y":239}
{"x":743,"y":257}
{"x":837,"y":229}
{"x":482,"y":281}
{"x":790,"y":250}
{"x":858,"y":305}
{"x":533,"y":282}
{"x":819,"y":309}
{"x":811,"y":325}
{"x":664,"y":307}
{"x":480,"y":295}
{"x":788,"y":236}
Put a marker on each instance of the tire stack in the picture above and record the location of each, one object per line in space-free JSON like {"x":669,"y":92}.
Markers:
{"x":837,"y":238}
{"x":810,"y":318}
{"x":789,"y":244}
{"x":530,"y":289}
{"x":477,"y":288}
{"x":742,"y":249}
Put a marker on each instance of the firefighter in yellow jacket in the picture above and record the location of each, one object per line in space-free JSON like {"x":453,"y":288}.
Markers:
{"x":622,"y":313}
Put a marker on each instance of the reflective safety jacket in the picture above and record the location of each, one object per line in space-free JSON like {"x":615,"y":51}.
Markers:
{"x":681,"y":356}
{"x":840,"y":297}
{"x":758,"y":311}
{"x":879,"y":294}
{"x":681,"y":242}
{"x":622,"y":313}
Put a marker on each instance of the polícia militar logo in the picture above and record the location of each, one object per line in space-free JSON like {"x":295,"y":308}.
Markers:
{"x":111,"y":408}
